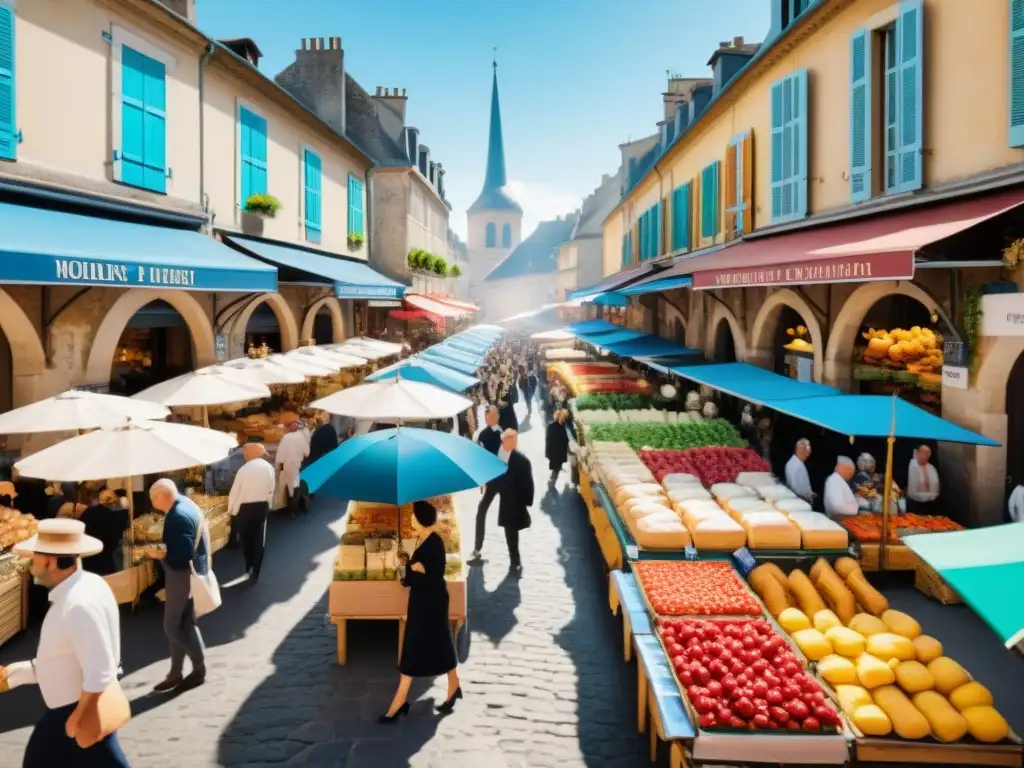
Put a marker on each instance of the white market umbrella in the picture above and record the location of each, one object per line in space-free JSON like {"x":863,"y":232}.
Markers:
{"x":260,"y":370}
{"x":77,"y":410}
{"x":556,"y":335}
{"x":394,"y":399}
{"x":307,"y":365}
{"x":359,"y":350}
{"x":336,"y":360}
{"x":207,"y":386}
{"x":133,"y":449}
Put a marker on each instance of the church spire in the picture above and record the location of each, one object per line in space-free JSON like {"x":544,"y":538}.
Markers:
{"x":493,"y":196}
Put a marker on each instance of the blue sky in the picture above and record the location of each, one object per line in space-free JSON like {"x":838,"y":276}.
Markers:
{"x":577,"y":77}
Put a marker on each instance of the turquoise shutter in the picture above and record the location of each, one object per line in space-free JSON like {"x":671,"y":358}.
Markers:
{"x":860,"y":117}
{"x":8,"y":130}
{"x":657,"y":230}
{"x":253,"y":129}
{"x":910,"y":40}
{"x":355,"y":211}
{"x":143,"y":121}
{"x":799,"y":144}
{"x":245,"y":155}
{"x":311,"y":175}
{"x":154,"y":126}
{"x":778,"y":124}
{"x":642,"y":237}
{"x":709,"y":200}
{"x":1016,"y":75}
{"x":681,"y":217}
{"x":789,"y":147}
{"x":715,"y":198}
{"x":625,"y":250}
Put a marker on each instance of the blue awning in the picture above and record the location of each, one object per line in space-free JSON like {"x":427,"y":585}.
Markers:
{"x":440,"y":358}
{"x":608,"y":299}
{"x":352,"y":279}
{"x":45,"y":247}
{"x":649,"y":346}
{"x":592,"y":326}
{"x":752,"y":383}
{"x":877,"y":416}
{"x":470,"y":358}
{"x":612,"y":337}
{"x":612,"y":282}
{"x":655,"y":286}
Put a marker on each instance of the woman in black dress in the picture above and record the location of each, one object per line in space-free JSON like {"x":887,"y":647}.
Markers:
{"x":428,"y":649}
{"x":556,"y":448}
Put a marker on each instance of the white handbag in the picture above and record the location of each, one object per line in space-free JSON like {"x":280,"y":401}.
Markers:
{"x":205,"y":589}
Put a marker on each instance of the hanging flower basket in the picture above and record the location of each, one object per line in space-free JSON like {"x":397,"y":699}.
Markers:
{"x":262,"y":205}
{"x":356,"y":240}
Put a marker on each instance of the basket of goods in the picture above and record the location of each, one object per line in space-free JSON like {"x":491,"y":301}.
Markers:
{"x":867,"y":529}
{"x":15,"y":527}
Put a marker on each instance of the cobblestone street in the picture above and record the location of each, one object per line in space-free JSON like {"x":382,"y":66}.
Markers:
{"x":543,"y":675}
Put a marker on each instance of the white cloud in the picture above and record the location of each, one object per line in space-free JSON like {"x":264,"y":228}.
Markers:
{"x":541,"y":202}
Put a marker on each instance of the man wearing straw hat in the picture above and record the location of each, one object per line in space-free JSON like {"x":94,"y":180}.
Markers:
{"x":77,"y":661}
{"x":249,"y":503}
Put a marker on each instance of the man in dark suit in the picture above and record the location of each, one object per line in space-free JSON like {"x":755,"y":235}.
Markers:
{"x":489,"y":438}
{"x":516,"y":489}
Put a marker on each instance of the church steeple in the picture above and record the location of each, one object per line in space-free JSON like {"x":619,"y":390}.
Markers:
{"x":493,"y":197}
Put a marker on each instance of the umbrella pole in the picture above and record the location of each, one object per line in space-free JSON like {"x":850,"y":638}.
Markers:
{"x":131,"y":510}
{"x":206,"y":417}
{"x":886,"y":501}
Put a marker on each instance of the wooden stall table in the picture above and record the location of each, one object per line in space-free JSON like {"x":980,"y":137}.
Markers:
{"x":129,"y":585}
{"x":659,"y":696}
{"x":383,"y":601}
{"x":624,"y":597}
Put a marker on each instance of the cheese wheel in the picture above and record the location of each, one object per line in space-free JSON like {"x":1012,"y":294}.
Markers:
{"x":789,"y":506}
{"x":681,"y":493}
{"x":718,"y":533}
{"x":679,"y":478}
{"x":661,"y":533}
{"x":774,"y":492}
{"x":726,"y":491}
{"x":771,"y":530}
{"x":755,"y":479}
{"x":818,"y":531}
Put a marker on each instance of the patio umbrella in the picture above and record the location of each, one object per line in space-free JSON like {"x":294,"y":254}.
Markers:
{"x":394,"y":400}
{"x":76,"y":410}
{"x":260,"y":370}
{"x":204,"y":387}
{"x":415,"y":369}
{"x":401,"y":465}
{"x":336,"y":360}
{"x":358,"y":350}
{"x":304,"y":364}
{"x":986,"y":568}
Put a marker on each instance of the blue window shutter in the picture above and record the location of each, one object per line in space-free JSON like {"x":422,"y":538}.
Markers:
{"x":355,"y":209}
{"x":492,"y":235}
{"x":642,"y":237}
{"x":245,"y":155}
{"x":681,"y":217}
{"x":8,"y":121}
{"x":154,"y":124}
{"x":1016,"y":75}
{"x":311,"y":174}
{"x":800,"y":144}
{"x":860,"y":116}
{"x":658,"y":227}
{"x":259,"y":154}
{"x":715,"y":198}
{"x":789,"y":147}
{"x":910,"y":41}
{"x":709,"y":201}
{"x":133,"y":108}
{"x":778,"y":124}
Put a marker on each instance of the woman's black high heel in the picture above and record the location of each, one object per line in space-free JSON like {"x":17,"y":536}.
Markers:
{"x":402,"y":710}
{"x":449,"y":705}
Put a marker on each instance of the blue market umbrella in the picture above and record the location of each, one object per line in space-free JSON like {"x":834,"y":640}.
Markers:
{"x":438,"y":358}
{"x":401,"y":465}
{"x":415,"y":369}
{"x":454,"y":354}
{"x":468,"y":345}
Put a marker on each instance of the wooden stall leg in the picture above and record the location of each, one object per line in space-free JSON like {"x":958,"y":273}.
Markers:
{"x":627,"y":638}
{"x":653,"y":735}
{"x":401,"y":637}
{"x":613,"y":598}
{"x":641,"y":697}
{"x":676,"y":758}
{"x":342,"y":626}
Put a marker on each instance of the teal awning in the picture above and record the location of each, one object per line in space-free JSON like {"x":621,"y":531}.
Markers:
{"x":604,"y":339}
{"x":657,"y":285}
{"x":751,"y":383}
{"x":876,"y":416}
{"x":45,"y":247}
{"x":986,"y":568}
{"x":648,"y":345}
{"x":592,"y":326}
{"x":352,"y":279}
{"x":440,"y":358}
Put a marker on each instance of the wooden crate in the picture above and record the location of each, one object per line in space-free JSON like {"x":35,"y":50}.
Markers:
{"x":930,"y":583}
{"x":899,"y":557}
{"x":13,"y":607}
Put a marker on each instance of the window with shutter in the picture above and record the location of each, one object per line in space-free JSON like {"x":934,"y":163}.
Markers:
{"x":506,"y":236}
{"x":709,"y":201}
{"x":8,"y":123}
{"x":1016,"y":75}
{"x":789,"y":147}
{"x":681,"y":217}
{"x":356,"y":225}
{"x":739,"y":159}
{"x":490,"y":236}
{"x":143,"y":157}
{"x":627,"y":256}
{"x":656,"y":248}
{"x":910,"y":28}
{"x":860,"y":116}
{"x":312,"y":186}
{"x":253,"y":145}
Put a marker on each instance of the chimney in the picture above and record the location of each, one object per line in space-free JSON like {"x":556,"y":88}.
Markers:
{"x":424,"y":160}
{"x":317,"y":79}
{"x":184,"y":8}
{"x":440,"y":181}
{"x":682,"y":117}
{"x":729,"y":59}
{"x":394,"y":99}
{"x":432,"y":173}
{"x":412,"y":144}
{"x":700,"y":98}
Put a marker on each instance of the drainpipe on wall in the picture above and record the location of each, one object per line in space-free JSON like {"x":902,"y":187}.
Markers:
{"x":207,"y":55}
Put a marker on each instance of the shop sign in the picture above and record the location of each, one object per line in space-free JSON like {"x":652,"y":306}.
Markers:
{"x":349,"y":291}
{"x":955,"y":353}
{"x":384,"y":304}
{"x":859,"y":269}
{"x":1002,"y":314}
{"x":955,"y":377}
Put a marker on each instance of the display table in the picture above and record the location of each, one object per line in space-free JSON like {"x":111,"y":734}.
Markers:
{"x":624,"y":597}
{"x":13,"y":603}
{"x":129,"y":585}
{"x":383,"y":601}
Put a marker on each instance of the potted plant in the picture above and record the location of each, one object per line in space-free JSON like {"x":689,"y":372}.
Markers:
{"x":454,"y":271}
{"x":439,"y":267}
{"x":261,"y":204}
{"x":356,"y":240}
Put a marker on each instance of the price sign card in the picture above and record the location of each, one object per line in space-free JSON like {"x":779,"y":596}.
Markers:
{"x":744,"y":560}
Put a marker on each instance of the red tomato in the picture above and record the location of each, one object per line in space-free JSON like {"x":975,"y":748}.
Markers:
{"x":811,"y":724}
{"x":761,"y":721}
{"x":778,"y":714}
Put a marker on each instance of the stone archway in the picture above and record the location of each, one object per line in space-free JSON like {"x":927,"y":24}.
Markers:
{"x":28,"y":358}
{"x":337,"y":320}
{"x":842,"y":338}
{"x":739,"y":336}
{"x":285,"y":320}
{"x":762,"y":335}
{"x":104,"y":344}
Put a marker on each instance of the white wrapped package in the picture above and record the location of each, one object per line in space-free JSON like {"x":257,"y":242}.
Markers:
{"x":699,"y":505}
{"x":755,"y":479}
{"x":774,"y":492}
{"x":719,"y":532}
{"x":771,"y":530}
{"x":726,"y":491}
{"x":680,"y":478}
{"x":659,"y":533}
{"x":818,"y":532}
{"x":683,"y":493}
{"x":788,"y":506}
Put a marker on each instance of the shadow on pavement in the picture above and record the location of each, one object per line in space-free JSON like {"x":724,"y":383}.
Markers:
{"x":492,"y":614}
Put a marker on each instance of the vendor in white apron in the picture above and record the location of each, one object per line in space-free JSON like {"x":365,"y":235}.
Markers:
{"x":291,"y":451}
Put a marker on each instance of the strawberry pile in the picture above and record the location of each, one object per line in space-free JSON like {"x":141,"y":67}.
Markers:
{"x":711,"y":464}
{"x":701,"y":588}
{"x":743,"y":675}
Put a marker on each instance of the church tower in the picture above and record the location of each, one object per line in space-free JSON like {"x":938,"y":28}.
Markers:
{"x":495,"y":220}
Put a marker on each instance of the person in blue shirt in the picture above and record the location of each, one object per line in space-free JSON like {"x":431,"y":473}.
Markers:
{"x":186,"y":544}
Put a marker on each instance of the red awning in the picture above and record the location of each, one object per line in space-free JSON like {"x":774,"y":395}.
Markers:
{"x":432,"y":306}
{"x":465,"y":306}
{"x":878,"y":248}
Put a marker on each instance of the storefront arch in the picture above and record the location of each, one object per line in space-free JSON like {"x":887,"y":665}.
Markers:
{"x":762,"y":336}
{"x":285,"y":320}
{"x":843,"y":336}
{"x":720,"y":314}
{"x":23,"y":353}
{"x":337,"y":320}
{"x":104,"y":345}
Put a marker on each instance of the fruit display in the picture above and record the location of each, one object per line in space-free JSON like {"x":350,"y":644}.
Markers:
{"x":710,"y":464}
{"x":372,"y":548}
{"x":742,"y":675}
{"x":149,"y":528}
{"x":918,"y":350}
{"x":611,"y":401}
{"x":799,"y":343}
{"x":889,"y":678}
{"x":701,"y":588}
{"x":679,"y":437}
{"x":15,"y":527}
{"x":867,"y":529}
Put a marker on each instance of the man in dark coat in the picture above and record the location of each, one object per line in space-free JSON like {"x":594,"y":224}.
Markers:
{"x":516,"y":495}
{"x":489,"y":438}
{"x":556,"y":448}
{"x":323,"y":440}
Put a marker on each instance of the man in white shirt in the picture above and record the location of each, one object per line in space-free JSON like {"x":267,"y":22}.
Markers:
{"x":249,"y":502}
{"x":922,"y":482}
{"x":78,"y":655}
{"x":839,"y":499}
{"x":291,"y":452}
{"x":797,"y":479}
